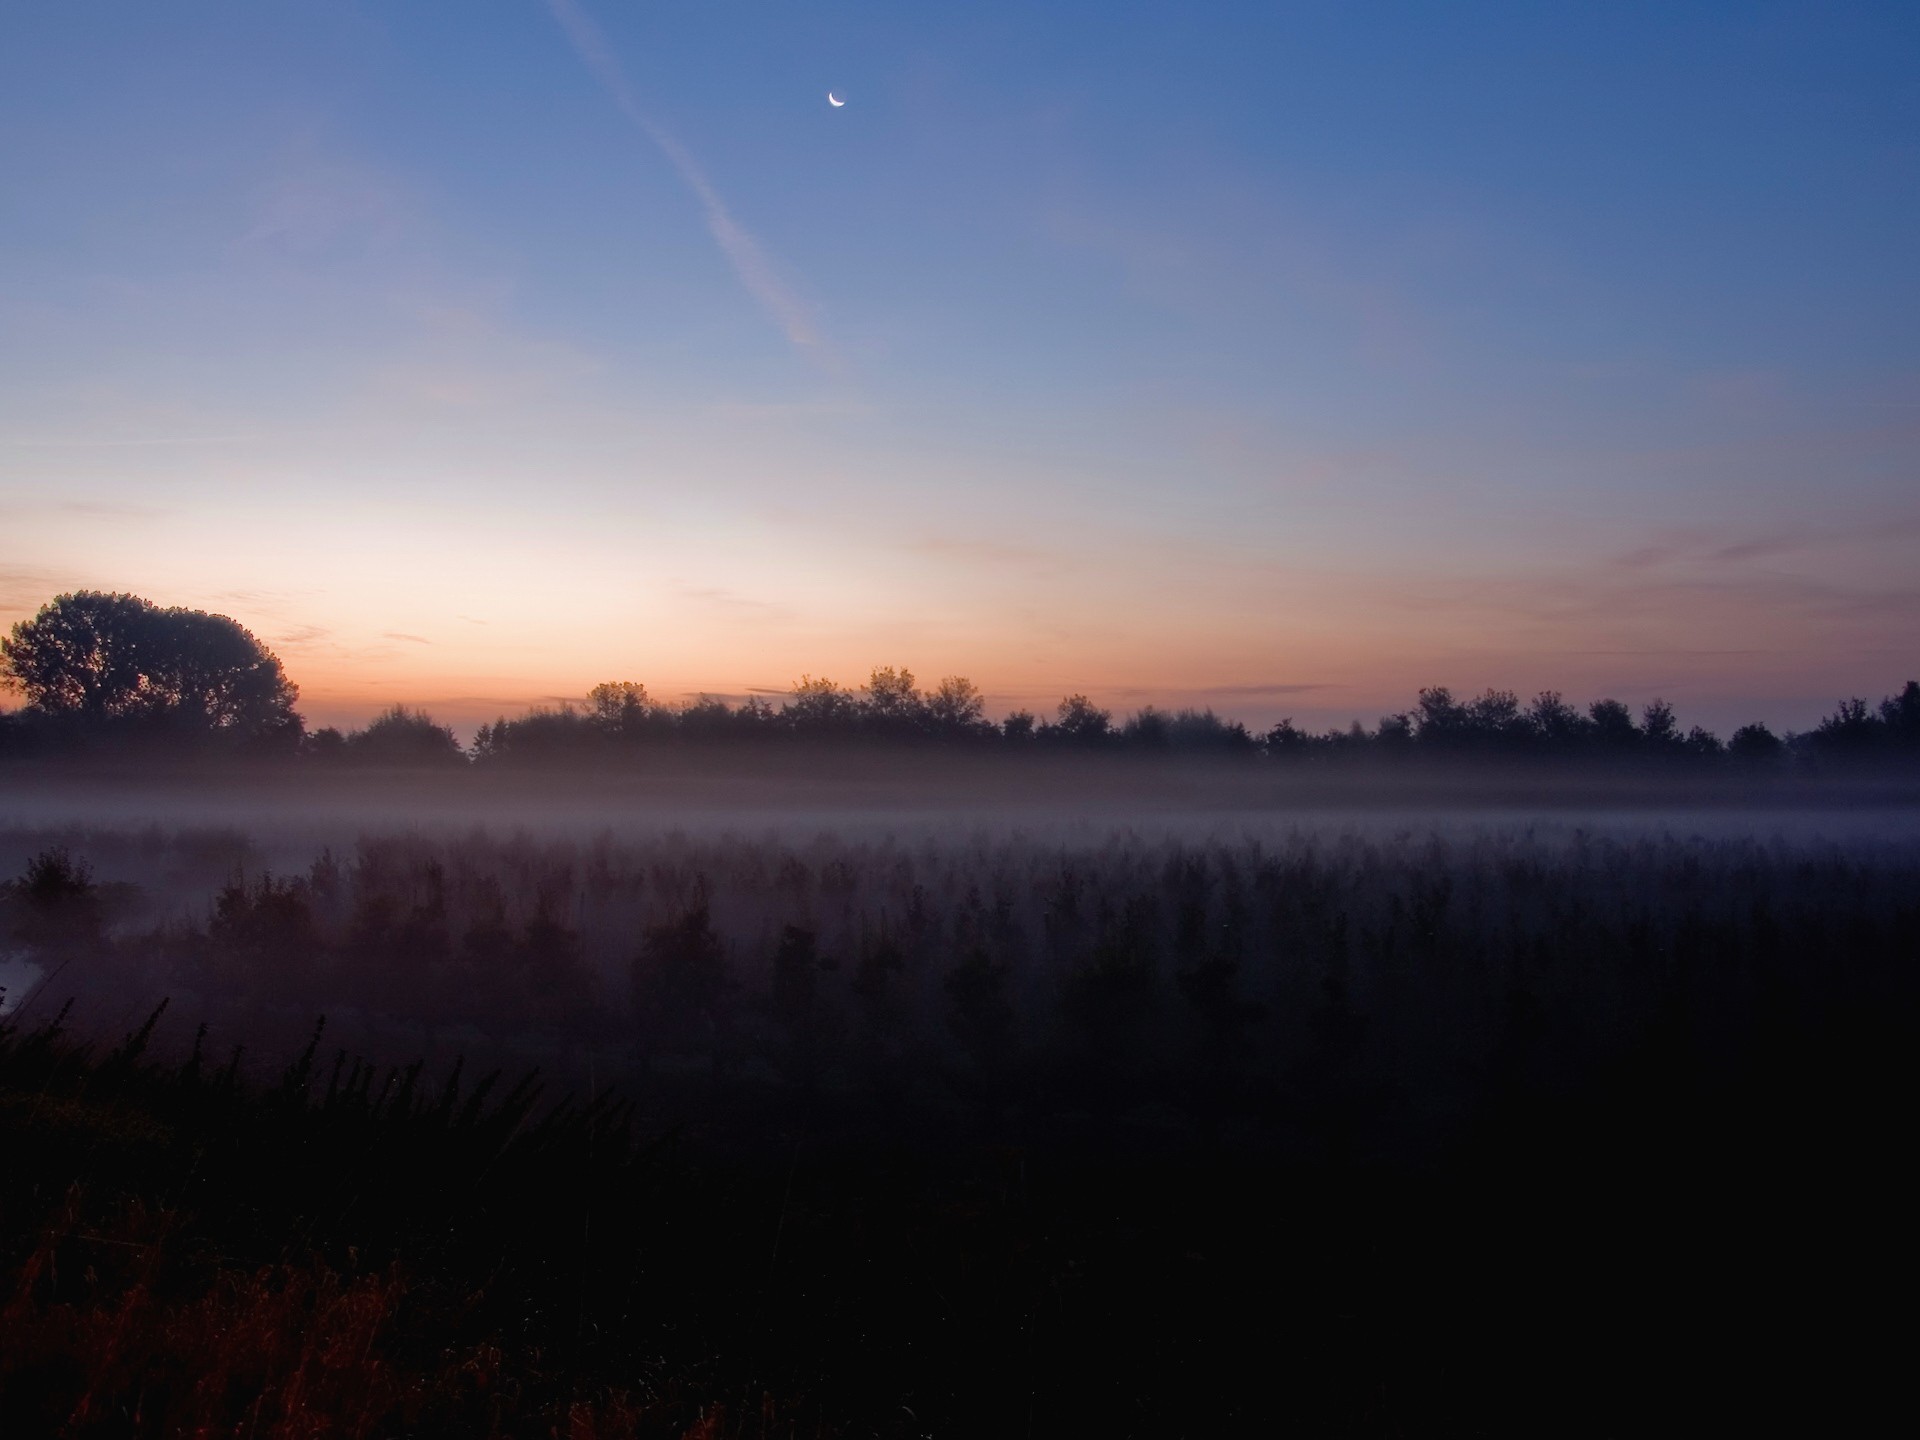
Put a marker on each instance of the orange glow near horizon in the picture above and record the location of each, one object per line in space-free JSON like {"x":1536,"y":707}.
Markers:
{"x":468,"y":375}
{"x":1246,"y":671}
{"x":473,"y":618}
{"x":680,"y":574}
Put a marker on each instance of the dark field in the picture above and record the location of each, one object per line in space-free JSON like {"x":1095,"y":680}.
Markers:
{"x":955,"y":1120}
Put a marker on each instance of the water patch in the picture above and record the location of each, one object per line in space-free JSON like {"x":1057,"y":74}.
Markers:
{"x":18,"y":978}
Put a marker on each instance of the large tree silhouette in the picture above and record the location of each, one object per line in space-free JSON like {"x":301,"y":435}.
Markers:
{"x":91,"y":658}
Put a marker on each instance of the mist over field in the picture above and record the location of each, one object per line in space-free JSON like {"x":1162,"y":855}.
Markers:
{"x":1049,"y":1077}
{"x":980,"y":933}
{"x":866,"y":1066}
{"x":750,"y":720}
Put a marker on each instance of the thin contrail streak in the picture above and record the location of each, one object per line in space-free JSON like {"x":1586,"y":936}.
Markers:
{"x":749,"y":261}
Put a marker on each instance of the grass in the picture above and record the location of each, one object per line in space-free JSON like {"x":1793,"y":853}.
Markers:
{"x":1482,"y":1134}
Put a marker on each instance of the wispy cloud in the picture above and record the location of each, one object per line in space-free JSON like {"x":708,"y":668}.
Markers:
{"x":1200,"y":694}
{"x":111,"y":509}
{"x":85,"y":509}
{"x":751,"y":263}
{"x":828,"y":409}
{"x":1679,"y":617}
{"x":139,"y":442}
{"x":1276,"y":689}
{"x":976,"y":551}
{"x":465,"y":359}
{"x":732,"y":602}
{"x":23,"y":589}
{"x":316,"y":204}
{"x":403,"y":635}
{"x":248,"y":596}
{"x":1703,"y":547}
{"x":1192,"y":257}
{"x":492,"y":702}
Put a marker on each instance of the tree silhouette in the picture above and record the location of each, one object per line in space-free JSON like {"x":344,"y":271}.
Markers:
{"x":1756,"y":745}
{"x":1081,"y":722}
{"x":1850,"y":733}
{"x":115,"y":668}
{"x":710,"y":718}
{"x":956,"y":708}
{"x":1558,"y":726}
{"x":1613,"y":726}
{"x":1900,"y":714}
{"x":1288,"y":741}
{"x":1148,"y":729}
{"x":401,"y":736}
{"x":893,"y":706}
{"x":820,"y":707}
{"x":1394,"y":734}
{"x":97,"y":659}
{"x":1702,"y":744}
{"x":1494,"y":721}
{"x":1658,"y":729}
{"x":543,"y":734}
{"x":1440,"y":721}
{"x":620,"y":708}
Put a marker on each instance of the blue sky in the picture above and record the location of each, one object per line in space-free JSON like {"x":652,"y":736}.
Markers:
{"x":1281,"y":357}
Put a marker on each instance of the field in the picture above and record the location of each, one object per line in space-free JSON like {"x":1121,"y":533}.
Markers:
{"x":957,"y":1123}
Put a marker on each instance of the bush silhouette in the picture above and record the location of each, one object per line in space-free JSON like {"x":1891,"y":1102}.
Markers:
{"x":403,"y":736}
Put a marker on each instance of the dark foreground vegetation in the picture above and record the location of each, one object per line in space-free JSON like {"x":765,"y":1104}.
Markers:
{"x":1490,"y":1133}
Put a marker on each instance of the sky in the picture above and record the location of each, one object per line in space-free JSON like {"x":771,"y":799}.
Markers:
{"x":1283,"y":358}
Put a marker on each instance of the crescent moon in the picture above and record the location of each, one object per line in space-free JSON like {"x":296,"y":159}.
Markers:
{"x":834,"y":100}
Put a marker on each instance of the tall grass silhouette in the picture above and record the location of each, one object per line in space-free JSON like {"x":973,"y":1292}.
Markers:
{"x":1391,"y":1132}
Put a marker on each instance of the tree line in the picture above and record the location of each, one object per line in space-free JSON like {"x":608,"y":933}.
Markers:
{"x":105,"y":671}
